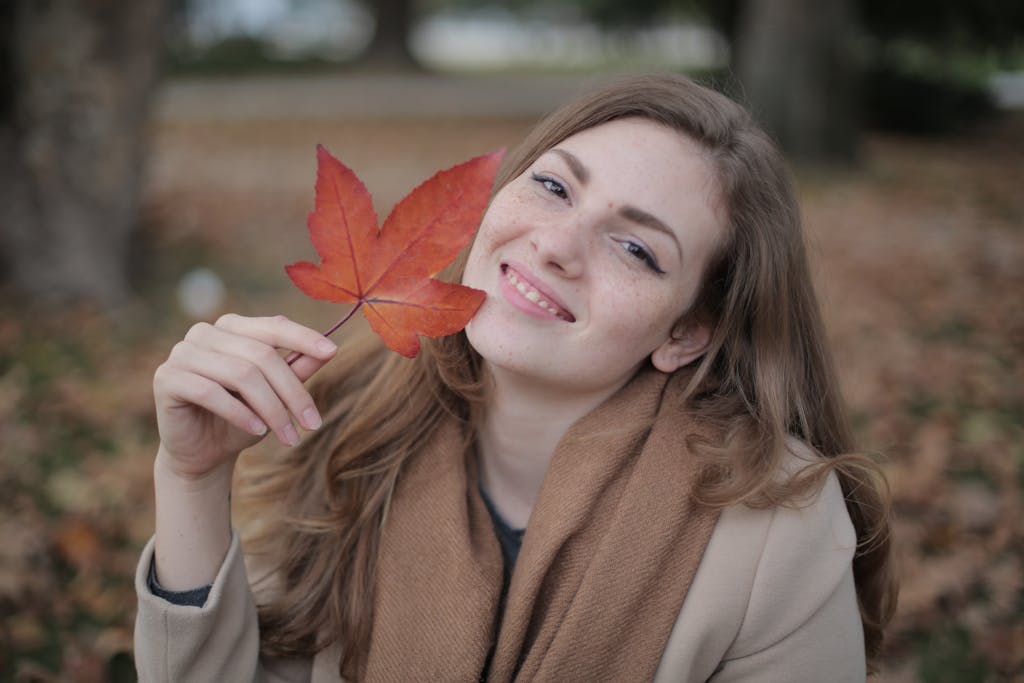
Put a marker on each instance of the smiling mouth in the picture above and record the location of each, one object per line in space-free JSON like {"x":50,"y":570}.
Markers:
{"x":535,"y":296}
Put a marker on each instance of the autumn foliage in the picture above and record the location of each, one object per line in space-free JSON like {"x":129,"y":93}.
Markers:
{"x":389,"y":271}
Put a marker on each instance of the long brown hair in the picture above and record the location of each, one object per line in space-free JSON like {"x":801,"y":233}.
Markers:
{"x":766,"y":382}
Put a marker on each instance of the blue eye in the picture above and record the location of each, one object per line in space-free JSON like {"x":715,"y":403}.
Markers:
{"x":551,"y":185}
{"x":641,"y":253}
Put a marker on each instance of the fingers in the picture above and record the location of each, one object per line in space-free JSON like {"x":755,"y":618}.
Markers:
{"x":305,"y":367}
{"x":240,"y":355}
{"x":280,"y":332}
{"x":209,"y":395}
{"x":273,"y":392}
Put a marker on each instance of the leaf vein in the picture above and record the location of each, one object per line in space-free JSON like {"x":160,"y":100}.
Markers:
{"x":410,"y":304}
{"x":424,"y":232}
{"x":348,"y":237}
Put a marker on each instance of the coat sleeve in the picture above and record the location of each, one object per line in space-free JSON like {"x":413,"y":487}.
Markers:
{"x":802,"y":623}
{"x":216,"y":642}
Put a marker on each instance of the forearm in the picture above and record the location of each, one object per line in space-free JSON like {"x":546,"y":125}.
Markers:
{"x":193,"y":524}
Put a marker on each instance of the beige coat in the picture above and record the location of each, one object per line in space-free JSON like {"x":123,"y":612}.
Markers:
{"x":773,"y":601}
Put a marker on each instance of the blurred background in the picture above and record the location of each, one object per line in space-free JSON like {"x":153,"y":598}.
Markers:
{"x":157,"y":162}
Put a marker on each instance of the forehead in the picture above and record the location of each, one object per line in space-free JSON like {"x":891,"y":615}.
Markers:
{"x":640,"y":161}
{"x":642,"y":138}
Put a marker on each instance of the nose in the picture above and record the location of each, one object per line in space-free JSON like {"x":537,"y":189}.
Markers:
{"x":561,"y":246}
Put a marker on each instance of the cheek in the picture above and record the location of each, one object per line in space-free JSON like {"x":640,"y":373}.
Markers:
{"x":497,"y":224}
{"x":645,"y":315}
{"x":486,"y":240}
{"x":473,"y":273}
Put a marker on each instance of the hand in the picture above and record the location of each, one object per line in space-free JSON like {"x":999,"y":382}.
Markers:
{"x":225,"y":386}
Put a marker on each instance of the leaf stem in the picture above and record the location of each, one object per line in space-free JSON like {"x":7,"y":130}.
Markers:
{"x":295,"y":355}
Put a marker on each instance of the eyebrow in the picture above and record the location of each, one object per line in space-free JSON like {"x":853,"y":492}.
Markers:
{"x":575,"y":165}
{"x":628,"y":212}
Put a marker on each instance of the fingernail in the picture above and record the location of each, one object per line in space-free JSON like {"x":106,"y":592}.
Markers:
{"x":257,"y":427}
{"x":291,"y":437}
{"x":311,"y":418}
{"x":326,"y":346}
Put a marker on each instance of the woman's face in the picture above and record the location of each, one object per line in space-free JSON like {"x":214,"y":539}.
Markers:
{"x":591,"y":256}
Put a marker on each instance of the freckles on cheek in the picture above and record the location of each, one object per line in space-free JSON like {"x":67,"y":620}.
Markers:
{"x":652,"y":316}
{"x":484,"y":244}
{"x":630,"y":321}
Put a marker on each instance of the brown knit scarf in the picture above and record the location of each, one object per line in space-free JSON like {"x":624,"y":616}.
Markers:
{"x":608,"y":555}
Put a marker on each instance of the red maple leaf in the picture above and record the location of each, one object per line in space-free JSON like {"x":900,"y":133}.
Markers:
{"x":389,"y":271}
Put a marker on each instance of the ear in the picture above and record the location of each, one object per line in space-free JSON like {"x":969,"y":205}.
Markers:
{"x":683,"y":346}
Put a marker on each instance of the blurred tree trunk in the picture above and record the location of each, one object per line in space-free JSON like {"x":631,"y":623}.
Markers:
{"x":77,"y":81}
{"x":797,"y":64}
{"x":390,"y":44}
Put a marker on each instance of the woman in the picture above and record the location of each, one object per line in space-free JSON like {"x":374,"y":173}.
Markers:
{"x":631,"y":465}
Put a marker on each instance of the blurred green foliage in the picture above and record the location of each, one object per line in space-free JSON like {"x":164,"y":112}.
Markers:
{"x":947,"y":657}
{"x":926,"y":64}
{"x":935,"y":100}
{"x":237,"y":55}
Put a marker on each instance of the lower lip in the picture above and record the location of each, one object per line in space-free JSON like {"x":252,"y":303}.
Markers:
{"x":519,"y":300}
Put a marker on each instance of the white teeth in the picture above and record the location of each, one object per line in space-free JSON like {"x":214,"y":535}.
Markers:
{"x":533,"y":295}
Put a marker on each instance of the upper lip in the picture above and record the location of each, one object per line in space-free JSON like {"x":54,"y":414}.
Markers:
{"x":524,"y":273}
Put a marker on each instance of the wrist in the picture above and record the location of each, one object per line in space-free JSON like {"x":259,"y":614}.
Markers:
{"x":167,"y":471}
{"x":193,"y":523}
